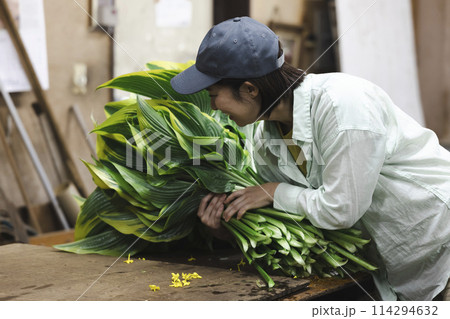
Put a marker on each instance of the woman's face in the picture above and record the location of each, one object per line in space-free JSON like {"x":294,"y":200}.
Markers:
{"x":242,"y":111}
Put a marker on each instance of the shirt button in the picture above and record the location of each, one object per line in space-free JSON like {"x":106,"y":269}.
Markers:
{"x":236,"y":19}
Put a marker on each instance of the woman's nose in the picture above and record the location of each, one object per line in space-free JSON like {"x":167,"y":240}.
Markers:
{"x":213,"y":105}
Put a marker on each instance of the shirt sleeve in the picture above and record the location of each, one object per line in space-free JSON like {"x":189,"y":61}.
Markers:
{"x":352,"y":163}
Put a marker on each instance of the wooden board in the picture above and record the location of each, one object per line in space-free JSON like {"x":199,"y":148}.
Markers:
{"x":323,"y":287}
{"x":30,"y":272}
{"x":53,"y":238}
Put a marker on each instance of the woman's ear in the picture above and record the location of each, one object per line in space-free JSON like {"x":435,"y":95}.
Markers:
{"x":250,"y":89}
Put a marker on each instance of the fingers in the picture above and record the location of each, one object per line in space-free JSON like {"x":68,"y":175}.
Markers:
{"x":216,"y":210}
{"x":248,"y":198}
{"x":212,"y":206}
{"x":241,"y":212}
{"x":203,"y":204}
{"x":210,"y":209}
{"x":234,"y":195}
{"x":238,"y":204}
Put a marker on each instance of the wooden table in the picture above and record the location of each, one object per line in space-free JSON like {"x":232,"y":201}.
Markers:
{"x":29,"y":272}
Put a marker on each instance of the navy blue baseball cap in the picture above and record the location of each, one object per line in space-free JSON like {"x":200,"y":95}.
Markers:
{"x":239,"y":48}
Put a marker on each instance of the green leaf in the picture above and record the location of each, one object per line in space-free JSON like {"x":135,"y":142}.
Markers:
{"x":214,"y":180}
{"x":115,"y":151}
{"x":123,"y":220}
{"x":110,"y":243}
{"x":167,"y":65}
{"x":113,"y":107}
{"x":88,"y":223}
{"x":116,"y":124}
{"x":156,"y":85}
{"x":106,"y":179}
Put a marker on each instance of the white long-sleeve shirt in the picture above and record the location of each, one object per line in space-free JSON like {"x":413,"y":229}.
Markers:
{"x":368,"y":162}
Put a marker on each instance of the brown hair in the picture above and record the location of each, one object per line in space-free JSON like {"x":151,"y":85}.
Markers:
{"x":273,"y":87}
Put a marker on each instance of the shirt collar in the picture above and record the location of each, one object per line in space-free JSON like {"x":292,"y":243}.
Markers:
{"x":301,"y":130}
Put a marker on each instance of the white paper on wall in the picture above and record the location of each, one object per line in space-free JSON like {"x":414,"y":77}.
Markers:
{"x":29,"y":17}
{"x":173,"y":13}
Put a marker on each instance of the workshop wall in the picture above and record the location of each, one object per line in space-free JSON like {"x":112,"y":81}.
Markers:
{"x":287,"y":11}
{"x":69,"y":41}
{"x":142,"y":40}
{"x":377,"y":44}
{"x":139,"y":38}
{"x":432,"y":25}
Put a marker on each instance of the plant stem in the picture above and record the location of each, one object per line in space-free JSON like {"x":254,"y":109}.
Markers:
{"x":352,"y":257}
{"x":276,"y":213}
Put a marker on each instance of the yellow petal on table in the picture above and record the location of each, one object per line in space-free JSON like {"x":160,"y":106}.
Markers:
{"x":128,"y":261}
{"x":176,"y":284}
{"x":154,"y":287}
{"x":195,"y":276}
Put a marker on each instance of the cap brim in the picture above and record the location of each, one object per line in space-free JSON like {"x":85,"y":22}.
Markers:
{"x":192,"y":80}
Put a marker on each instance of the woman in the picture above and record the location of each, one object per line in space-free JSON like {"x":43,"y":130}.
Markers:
{"x":347,"y":156}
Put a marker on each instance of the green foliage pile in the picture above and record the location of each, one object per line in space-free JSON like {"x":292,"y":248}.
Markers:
{"x":159,"y":153}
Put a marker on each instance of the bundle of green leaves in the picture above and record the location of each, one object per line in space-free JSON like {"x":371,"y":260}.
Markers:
{"x":159,"y":153}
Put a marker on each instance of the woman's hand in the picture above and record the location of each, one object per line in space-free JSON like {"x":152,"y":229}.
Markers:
{"x":210,"y":213}
{"x":248,"y":198}
{"x":210,"y":209}
{"x":212,"y":206}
